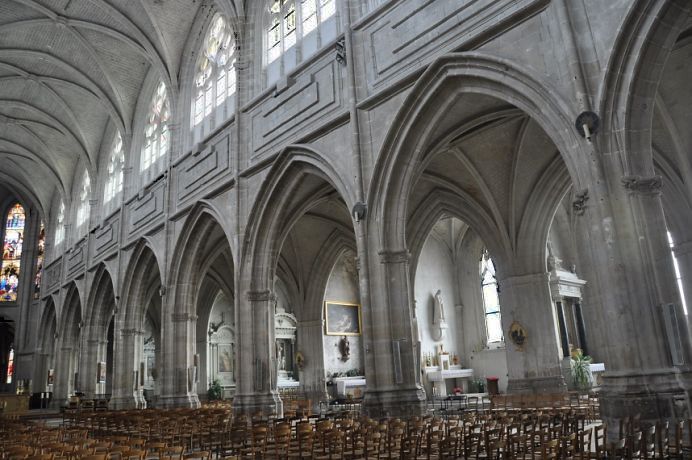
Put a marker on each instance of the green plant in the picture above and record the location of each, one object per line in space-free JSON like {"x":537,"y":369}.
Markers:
{"x":580,"y":368}
{"x":215,"y":391}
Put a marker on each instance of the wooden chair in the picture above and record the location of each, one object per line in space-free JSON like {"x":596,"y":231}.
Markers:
{"x":201,"y":455}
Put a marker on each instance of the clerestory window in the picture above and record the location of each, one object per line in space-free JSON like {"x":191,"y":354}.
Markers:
{"x":491,"y":300}
{"x":156,"y":133}
{"x":114,"y":181}
{"x":297,"y":29}
{"x":215,"y":80}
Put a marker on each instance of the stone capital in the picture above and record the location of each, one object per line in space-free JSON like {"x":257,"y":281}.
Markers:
{"x":394,"y":256}
{"x":259,"y":296}
{"x":642,"y":185}
{"x":130,"y":332}
{"x":182,"y":317}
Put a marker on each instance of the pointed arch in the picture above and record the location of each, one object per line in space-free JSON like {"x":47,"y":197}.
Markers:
{"x":277,"y":207}
{"x":143,"y":271}
{"x":628,"y":93}
{"x":409,"y":139}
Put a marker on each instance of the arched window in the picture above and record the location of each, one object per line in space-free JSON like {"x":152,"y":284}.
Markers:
{"x":114,"y":182}
{"x":215,"y":79}
{"x":83,"y":210}
{"x":304,"y":24}
{"x":12,"y":253}
{"x":678,"y":276}
{"x":41,"y":252}
{"x":60,"y":226}
{"x":156,"y":135}
{"x":491,"y":300}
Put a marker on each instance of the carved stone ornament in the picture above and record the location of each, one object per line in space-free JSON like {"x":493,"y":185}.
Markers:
{"x":643,"y":185}
{"x":518,"y":335}
{"x":345,"y":349}
{"x":579,"y":203}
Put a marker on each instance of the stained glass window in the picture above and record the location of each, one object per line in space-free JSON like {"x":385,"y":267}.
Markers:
{"x":288,"y":24}
{"x":215,"y":78}
{"x":10,"y":366}
{"x":156,"y":134}
{"x":12,"y":253}
{"x":40,"y":253}
{"x":83,"y":210}
{"x":491,"y":300}
{"x":114,"y":181}
{"x":60,"y":225}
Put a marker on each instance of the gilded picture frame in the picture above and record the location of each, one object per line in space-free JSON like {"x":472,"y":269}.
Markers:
{"x":342,"y":318}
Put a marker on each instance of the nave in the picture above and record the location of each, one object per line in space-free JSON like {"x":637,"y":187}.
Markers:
{"x":560,"y":426}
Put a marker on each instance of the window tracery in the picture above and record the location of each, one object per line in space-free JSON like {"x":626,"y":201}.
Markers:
{"x":60,"y":226}
{"x":156,"y":134}
{"x":215,"y":79}
{"x":114,"y":182}
{"x":12,"y":253}
{"x":83,"y":210}
{"x":40,"y":256}
{"x":303,"y":24}
{"x":491,"y":299}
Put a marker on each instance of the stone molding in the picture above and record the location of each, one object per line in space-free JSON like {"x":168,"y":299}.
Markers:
{"x":642,"y":185}
{"x":259,"y":296}
{"x":131,"y":332}
{"x":394,"y":257}
{"x":182,"y":317}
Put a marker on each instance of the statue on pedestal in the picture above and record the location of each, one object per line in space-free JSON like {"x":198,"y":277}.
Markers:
{"x":439,"y":324}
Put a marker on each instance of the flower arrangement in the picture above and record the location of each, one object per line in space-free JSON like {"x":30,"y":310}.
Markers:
{"x":457,"y":391}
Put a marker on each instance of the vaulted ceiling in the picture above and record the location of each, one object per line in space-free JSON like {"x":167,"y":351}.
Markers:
{"x":72,"y":69}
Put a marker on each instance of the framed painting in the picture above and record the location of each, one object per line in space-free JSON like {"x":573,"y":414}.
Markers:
{"x":101,"y":372}
{"x":225,"y":358}
{"x":342,"y":318}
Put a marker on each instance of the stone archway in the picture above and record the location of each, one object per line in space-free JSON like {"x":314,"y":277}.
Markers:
{"x":202,"y":258}
{"x":96,"y":343}
{"x":141,"y":299}
{"x":68,"y":346}
{"x":301,"y":185}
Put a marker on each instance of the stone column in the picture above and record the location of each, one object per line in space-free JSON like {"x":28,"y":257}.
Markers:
{"x":256,"y":390}
{"x":640,"y":316}
{"x":533,"y":367}
{"x":312,"y":376}
{"x":393,"y":382}
{"x":64,"y":375}
{"x":179,"y":386}
{"x":88,"y":367}
{"x":126,"y":349}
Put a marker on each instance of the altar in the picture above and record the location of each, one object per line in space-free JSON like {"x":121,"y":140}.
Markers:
{"x":439,"y":376}
{"x":354,"y":386}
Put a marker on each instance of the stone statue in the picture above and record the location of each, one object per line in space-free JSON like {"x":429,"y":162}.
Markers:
{"x":439,"y":324}
{"x":282,"y":357}
{"x":439,"y":310}
{"x":345,"y":349}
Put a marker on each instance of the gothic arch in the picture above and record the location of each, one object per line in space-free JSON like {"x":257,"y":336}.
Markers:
{"x":193,"y":256}
{"x":409,"y":141}
{"x":274,"y":212}
{"x":142,"y":272}
{"x":627,"y":97}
